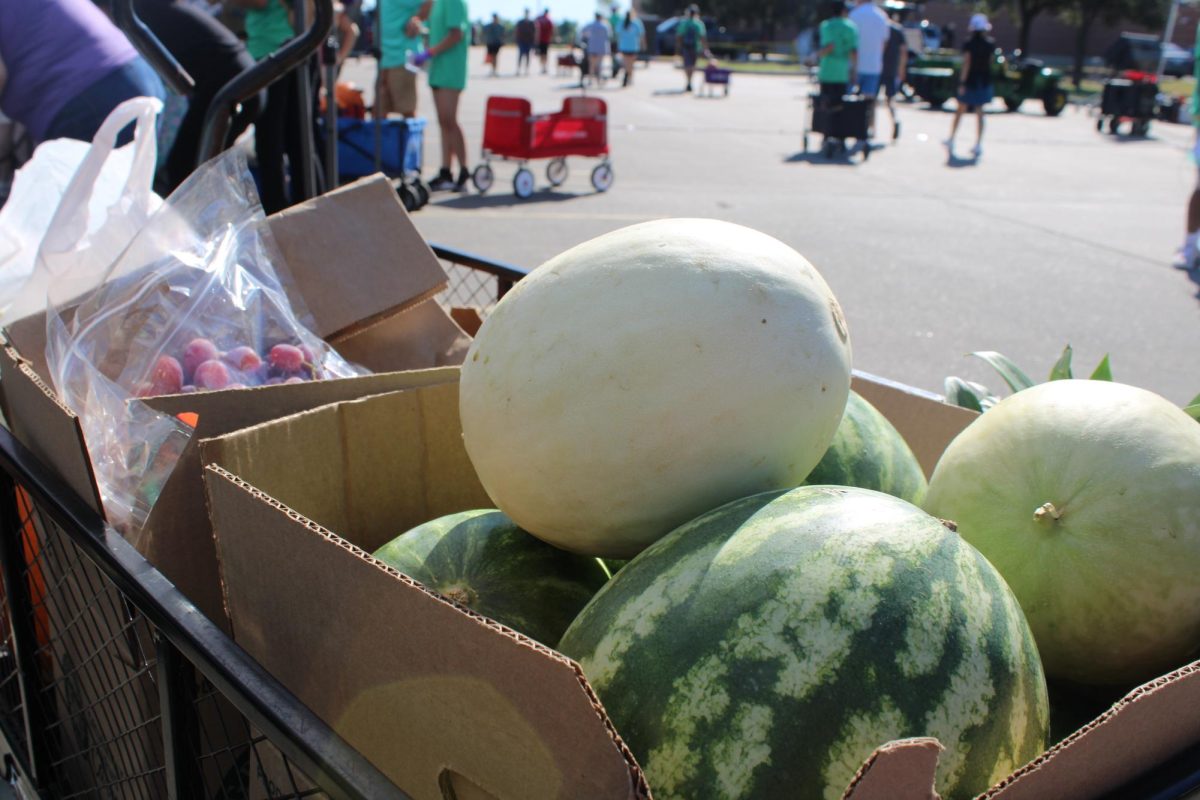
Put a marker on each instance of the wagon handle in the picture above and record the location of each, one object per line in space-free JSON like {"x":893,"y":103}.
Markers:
{"x":150,"y":48}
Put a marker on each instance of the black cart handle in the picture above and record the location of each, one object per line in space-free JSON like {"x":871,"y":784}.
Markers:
{"x":148,"y":45}
{"x":253,"y":80}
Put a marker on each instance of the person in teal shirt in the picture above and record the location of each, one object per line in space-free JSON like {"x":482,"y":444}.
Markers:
{"x":400,"y":26}
{"x":449,"y":29}
{"x":1189,"y":255}
{"x":838,"y":53}
{"x":691,"y":38}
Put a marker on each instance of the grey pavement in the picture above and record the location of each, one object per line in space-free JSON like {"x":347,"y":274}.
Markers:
{"x":1057,"y":235}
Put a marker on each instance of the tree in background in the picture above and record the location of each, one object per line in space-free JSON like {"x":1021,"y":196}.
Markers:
{"x":1083,"y":14}
{"x":1027,"y":10}
{"x":565,"y":31}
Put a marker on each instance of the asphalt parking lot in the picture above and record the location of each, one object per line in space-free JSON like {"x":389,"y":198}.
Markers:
{"x":1057,"y":235}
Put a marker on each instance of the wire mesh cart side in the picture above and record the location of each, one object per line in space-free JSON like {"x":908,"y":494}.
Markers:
{"x":511,"y":131}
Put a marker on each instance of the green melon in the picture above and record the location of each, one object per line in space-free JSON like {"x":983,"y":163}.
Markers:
{"x":868,"y":452}
{"x":766,"y":648}
{"x":482,"y":560}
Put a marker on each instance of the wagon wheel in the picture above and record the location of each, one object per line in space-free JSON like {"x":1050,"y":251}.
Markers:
{"x":422,"y":191}
{"x":483,"y":178}
{"x":1114,"y":125}
{"x":602,"y":177}
{"x":1099,"y":124}
{"x":523,"y":184}
{"x":556,"y":171}
{"x":407,"y":196}
{"x":1054,"y":102}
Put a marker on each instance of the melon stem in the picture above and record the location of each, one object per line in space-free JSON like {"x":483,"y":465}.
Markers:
{"x":1047,"y":510}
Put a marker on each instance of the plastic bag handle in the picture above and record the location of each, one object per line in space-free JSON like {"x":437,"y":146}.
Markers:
{"x":70,"y":221}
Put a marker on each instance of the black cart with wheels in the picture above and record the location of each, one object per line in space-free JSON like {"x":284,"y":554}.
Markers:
{"x":1132,"y":98}
{"x":839,"y":122}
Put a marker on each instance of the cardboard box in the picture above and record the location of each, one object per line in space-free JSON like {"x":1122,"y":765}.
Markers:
{"x":434,"y":694}
{"x":367,"y":278}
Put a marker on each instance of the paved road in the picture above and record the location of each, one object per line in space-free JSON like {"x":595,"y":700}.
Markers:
{"x":1058,"y":234}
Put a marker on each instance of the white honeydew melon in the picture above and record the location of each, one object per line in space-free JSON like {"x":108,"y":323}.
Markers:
{"x":1085,"y":495}
{"x":649,"y":375}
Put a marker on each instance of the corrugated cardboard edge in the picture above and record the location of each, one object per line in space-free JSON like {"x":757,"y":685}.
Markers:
{"x":40,"y":421}
{"x":899,"y":770}
{"x":640,"y":787}
{"x":1099,"y":757}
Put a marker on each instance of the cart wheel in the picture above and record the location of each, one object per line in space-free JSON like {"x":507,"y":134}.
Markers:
{"x":866,"y":149}
{"x":1054,"y":102}
{"x":828,"y":149}
{"x":523,"y":184}
{"x":1099,"y":124}
{"x":483,"y":177}
{"x":806,"y":144}
{"x":602,"y":177}
{"x":408,"y":197}
{"x":556,"y":171}
{"x":422,"y":191}
{"x":1013,"y":103}
{"x":1114,"y":125}
{"x":1141,"y":127}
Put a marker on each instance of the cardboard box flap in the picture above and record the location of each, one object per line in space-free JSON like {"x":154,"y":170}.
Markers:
{"x":1141,"y":731}
{"x":181,"y":545}
{"x":45,"y":426}
{"x":376,"y":275}
{"x":419,"y":337}
{"x":899,"y":770}
{"x":425,"y":689}
{"x":926,"y":422}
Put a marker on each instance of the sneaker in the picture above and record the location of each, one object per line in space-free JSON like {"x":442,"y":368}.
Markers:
{"x":444,"y":182}
{"x":977,"y":150}
{"x":464,"y":175}
{"x":1187,"y":259}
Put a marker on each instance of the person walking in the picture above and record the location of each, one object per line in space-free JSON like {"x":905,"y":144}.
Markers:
{"x":449,"y":33}
{"x":595,"y":38}
{"x":400,"y":25}
{"x":975,"y":80}
{"x":525,"y":35}
{"x":545,"y":37}
{"x":631,"y":40}
{"x":691,"y":39}
{"x":895,"y":71}
{"x":1189,"y":254}
{"x":614,"y":24}
{"x":66,"y":66}
{"x":493,"y":38}
{"x":873,"y":31}
{"x":838,"y":39}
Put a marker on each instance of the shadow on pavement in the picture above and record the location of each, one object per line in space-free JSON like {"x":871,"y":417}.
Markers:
{"x":843,"y":159}
{"x":670,"y":92}
{"x":958,"y":162}
{"x":473,"y":201}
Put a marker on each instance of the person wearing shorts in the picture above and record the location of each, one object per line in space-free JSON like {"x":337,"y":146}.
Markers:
{"x":975,"y":81}
{"x":493,"y":38}
{"x":838,"y":38}
{"x":1189,"y":254}
{"x":545,"y":35}
{"x":450,"y":35}
{"x":873,"y":28}
{"x":692,"y":38}
{"x":525,"y":35}
{"x":400,"y":26}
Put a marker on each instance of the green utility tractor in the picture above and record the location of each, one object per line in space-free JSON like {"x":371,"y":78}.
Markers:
{"x":934,"y":79}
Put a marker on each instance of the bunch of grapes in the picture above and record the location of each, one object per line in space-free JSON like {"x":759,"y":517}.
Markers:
{"x":203,"y":367}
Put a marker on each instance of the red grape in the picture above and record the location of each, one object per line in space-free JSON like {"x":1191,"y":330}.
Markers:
{"x":243,"y":359}
{"x":167,"y":376}
{"x":196,"y":353}
{"x":286,"y":357}
{"x":212,"y":374}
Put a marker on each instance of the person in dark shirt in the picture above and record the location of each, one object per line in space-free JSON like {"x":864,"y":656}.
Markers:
{"x":975,"y":81}
{"x":895,"y":70}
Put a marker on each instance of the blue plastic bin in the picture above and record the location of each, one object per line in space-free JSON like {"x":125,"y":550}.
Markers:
{"x":402,"y":143}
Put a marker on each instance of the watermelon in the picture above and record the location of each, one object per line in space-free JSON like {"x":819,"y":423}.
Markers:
{"x":868,"y":452}
{"x":482,"y":560}
{"x":766,"y":648}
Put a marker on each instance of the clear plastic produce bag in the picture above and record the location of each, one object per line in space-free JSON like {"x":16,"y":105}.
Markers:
{"x":195,"y":303}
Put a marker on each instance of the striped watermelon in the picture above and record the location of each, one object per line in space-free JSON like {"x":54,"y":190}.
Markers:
{"x":868,"y":452}
{"x":765,"y":649}
{"x":482,"y":560}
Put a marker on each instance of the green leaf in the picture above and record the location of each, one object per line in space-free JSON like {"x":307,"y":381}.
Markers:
{"x":958,"y":393}
{"x":1193,"y":410}
{"x":1010,"y":372}
{"x":1103,"y":371}
{"x":1062,"y":368}
{"x":1195,"y":402}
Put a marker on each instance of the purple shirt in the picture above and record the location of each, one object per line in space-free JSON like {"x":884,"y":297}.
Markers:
{"x":53,"y":50}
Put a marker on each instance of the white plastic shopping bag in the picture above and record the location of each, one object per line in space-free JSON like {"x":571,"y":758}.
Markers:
{"x":77,"y":202}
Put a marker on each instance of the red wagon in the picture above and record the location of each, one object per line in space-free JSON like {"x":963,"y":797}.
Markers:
{"x":511,"y":131}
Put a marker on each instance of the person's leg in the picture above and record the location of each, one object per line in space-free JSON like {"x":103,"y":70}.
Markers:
{"x":958,"y":112}
{"x":454,"y":146}
{"x":1191,"y":245}
{"x":978,"y":130}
